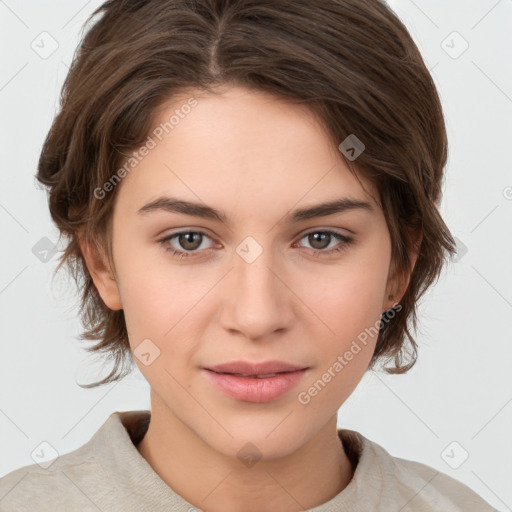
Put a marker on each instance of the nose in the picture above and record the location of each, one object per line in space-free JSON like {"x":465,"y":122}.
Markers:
{"x":258,"y":300}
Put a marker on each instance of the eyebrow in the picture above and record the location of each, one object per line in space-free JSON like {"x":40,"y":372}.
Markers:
{"x":174,"y":205}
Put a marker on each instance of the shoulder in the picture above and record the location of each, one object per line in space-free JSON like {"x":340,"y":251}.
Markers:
{"x":427,"y":488}
{"x":56,"y":487}
{"x":77,"y":480}
{"x":409,"y":485}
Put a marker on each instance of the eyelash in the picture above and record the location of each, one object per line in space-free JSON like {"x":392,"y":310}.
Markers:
{"x":345,"y":242}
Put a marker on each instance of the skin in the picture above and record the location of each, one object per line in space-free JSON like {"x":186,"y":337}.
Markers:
{"x":256,"y":157}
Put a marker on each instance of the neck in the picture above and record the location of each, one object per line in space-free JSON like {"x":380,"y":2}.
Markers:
{"x":214,"y":481}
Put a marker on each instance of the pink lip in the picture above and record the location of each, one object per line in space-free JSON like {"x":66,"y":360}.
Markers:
{"x":258,"y":390}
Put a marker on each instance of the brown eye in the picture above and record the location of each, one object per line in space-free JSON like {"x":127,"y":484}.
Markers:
{"x":321,"y":240}
{"x":185,"y":243}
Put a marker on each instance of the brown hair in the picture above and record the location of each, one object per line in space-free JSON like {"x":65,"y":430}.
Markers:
{"x":352,"y":62}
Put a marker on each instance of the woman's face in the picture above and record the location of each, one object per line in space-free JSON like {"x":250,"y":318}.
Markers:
{"x":264,"y":283}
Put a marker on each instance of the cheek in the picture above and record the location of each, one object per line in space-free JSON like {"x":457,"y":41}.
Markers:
{"x":155,"y":308}
{"x":349,"y":298}
{"x":158,"y":304}
{"x":349,"y":304}
{"x":352,"y":313}
{"x":161,"y":303}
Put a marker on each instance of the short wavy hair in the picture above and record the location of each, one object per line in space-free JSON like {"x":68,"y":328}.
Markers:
{"x":352,"y":62}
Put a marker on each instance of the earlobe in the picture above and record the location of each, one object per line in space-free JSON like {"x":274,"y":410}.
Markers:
{"x":398,"y":282}
{"x":103,"y":277}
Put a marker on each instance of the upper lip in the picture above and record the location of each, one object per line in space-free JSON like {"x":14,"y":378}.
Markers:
{"x":249,"y":368}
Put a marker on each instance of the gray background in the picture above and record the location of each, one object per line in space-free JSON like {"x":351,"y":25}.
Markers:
{"x":460,"y":390}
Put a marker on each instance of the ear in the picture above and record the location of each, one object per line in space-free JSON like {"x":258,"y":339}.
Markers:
{"x":397,"y":282}
{"x":101,"y":273}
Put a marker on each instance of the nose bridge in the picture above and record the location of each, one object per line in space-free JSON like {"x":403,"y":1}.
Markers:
{"x":258,"y":302}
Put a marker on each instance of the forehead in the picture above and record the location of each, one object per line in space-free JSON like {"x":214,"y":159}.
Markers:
{"x":241,"y":149}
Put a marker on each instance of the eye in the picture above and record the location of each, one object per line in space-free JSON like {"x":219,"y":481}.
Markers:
{"x":320,"y":240}
{"x":191,"y":242}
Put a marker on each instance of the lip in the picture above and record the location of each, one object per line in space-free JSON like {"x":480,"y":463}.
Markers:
{"x":253,"y":389}
{"x":250,"y":368}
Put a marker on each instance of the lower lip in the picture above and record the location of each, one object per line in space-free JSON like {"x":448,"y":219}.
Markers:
{"x":250,"y":389}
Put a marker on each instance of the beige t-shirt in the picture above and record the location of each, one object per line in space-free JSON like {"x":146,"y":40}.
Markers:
{"x":108,"y":474}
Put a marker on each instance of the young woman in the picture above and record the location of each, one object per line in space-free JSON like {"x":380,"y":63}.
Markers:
{"x":250,"y":192}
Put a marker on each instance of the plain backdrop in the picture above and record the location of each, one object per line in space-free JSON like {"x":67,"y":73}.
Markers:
{"x":452,"y":411}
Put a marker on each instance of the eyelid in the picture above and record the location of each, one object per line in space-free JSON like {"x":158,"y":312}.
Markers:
{"x":338,"y":231}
